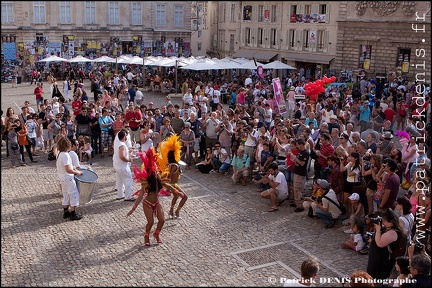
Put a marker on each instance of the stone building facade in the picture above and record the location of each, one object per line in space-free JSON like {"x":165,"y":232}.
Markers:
{"x":378,"y":38}
{"x":94,"y":28}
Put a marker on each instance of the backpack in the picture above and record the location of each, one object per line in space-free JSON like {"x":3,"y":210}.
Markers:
{"x":401,"y":246}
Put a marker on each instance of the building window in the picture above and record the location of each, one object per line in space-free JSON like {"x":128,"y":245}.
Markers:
{"x":160,"y":15}
{"x":65,"y":12}
{"x":114,"y":13}
{"x":365,"y":56}
{"x":307,"y":9}
{"x":178,"y":15}
{"x":221,"y":13}
{"x":274,"y":13}
{"x":323,"y":9}
{"x":136,"y":13}
{"x":321,"y":38}
{"x":260,"y":13}
{"x":291,"y":38}
{"x":260,"y":36}
{"x":273,"y":35}
{"x":231,"y":47}
{"x":199,"y":46}
{"x":39,"y":12}
{"x":90,"y":12}
{"x":293,"y":14}
{"x":247,"y":35}
{"x":306,"y":38}
{"x":6,"y":12}
{"x":232,"y":16}
{"x":403,"y":59}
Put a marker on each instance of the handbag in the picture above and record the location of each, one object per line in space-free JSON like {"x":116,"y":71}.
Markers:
{"x":361,"y":186}
{"x":14,"y":146}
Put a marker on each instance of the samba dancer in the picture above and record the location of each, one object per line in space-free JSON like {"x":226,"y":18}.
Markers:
{"x":169,"y":163}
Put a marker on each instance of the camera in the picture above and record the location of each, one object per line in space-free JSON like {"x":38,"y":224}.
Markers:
{"x":318,"y":199}
{"x":369,"y":234}
{"x":376,"y":220}
{"x":418,"y":246}
{"x":222,"y":126}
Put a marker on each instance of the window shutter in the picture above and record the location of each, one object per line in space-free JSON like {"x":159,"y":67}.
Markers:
{"x":279,"y":14}
{"x":299,"y":36}
{"x":326,"y":40}
{"x":315,"y":8}
{"x":277,"y":41}
{"x":255,"y":35}
{"x":328,"y":13}
{"x":302,"y":9}
{"x":243,"y":39}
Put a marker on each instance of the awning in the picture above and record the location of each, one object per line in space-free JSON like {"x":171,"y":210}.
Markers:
{"x":264,"y":56}
{"x":244,"y":53}
{"x":311,"y":58}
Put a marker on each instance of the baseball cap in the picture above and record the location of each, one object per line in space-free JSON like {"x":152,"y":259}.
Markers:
{"x":354,"y":196}
{"x":323,"y":183}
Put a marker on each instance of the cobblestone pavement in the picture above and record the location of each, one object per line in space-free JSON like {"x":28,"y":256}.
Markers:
{"x":224,"y":238}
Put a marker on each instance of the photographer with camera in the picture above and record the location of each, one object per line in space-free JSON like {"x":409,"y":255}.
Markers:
{"x":386,"y":237}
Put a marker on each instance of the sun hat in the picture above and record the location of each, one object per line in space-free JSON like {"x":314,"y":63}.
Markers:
{"x":387,"y":135}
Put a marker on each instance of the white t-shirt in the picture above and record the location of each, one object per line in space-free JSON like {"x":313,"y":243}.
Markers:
{"x":188,"y":98}
{"x":138,"y":95}
{"x":249,"y":141}
{"x":221,"y":157}
{"x":117,"y":162}
{"x":332,"y":208}
{"x":359,"y":240}
{"x":283,"y":186}
{"x":75,"y":159}
{"x":63,"y":159}
{"x":148,"y":144}
{"x":354,"y":178}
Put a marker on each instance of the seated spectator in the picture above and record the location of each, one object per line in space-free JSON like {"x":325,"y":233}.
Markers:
{"x":309,"y":203}
{"x":278,"y":190}
{"x":355,"y":242}
{"x":262,"y":181}
{"x":240,"y":164}
{"x":327,"y":210}
{"x":206,"y":165}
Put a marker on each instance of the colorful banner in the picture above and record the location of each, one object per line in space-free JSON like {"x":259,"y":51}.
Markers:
{"x":54,"y":47}
{"x":312,"y":36}
{"x":9,"y":50}
{"x":247,"y":12}
{"x":186,"y":49}
{"x":266,"y":15}
{"x":279,"y":97}
{"x":170,"y":48}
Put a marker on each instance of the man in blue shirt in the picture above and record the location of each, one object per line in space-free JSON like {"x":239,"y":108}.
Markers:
{"x":241,"y":164}
{"x":364,"y":115}
{"x":106,"y":123}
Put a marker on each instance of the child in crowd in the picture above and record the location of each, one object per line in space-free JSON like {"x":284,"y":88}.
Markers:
{"x":356,"y":210}
{"x":86,"y":148}
{"x":355,"y":242}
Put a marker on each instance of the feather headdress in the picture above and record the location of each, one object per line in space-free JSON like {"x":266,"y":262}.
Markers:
{"x":149,"y":166}
{"x":171,"y":143}
{"x":402,"y":134}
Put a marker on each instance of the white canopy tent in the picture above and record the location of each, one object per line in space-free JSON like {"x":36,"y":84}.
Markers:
{"x":79,"y":59}
{"x":205,"y":64}
{"x":104,"y":59}
{"x":54,"y":58}
{"x":278,"y":66}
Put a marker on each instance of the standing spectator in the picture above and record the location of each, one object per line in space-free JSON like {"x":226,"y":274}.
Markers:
{"x":21,"y":131}
{"x":134,"y":117}
{"x":34,"y":77}
{"x":325,"y":151}
{"x":105,"y":123}
{"x":209,"y":124}
{"x":32,"y":126}
{"x":420,"y":268}
{"x":188,"y":97}
{"x":139,"y":98}
{"x":66,"y":173}
{"x":391,"y":187}
{"x":132,"y":93}
{"x":121,"y":163}
{"x":364,"y":115}
{"x":38,"y":92}
{"x":82,"y":122}
{"x":300,"y":172}
{"x":187,"y":138}
{"x":146,"y":136}
{"x":177,"y":123}
{"x":12,"y":145}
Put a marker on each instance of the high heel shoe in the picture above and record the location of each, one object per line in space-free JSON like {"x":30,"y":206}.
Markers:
{"x":146,"y":239}
{"x":156,"y":236}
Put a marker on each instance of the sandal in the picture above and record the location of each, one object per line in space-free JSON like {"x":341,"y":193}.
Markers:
{"x":146,"y":239}
{"x":272,"y":209}
{"x":156,"y":236}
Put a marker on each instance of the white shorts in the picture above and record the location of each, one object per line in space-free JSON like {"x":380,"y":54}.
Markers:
{"x":282,"y":196}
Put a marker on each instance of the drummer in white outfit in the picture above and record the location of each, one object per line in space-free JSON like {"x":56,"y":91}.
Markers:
{"x":66,"y":173}
{"x":122,"y":160}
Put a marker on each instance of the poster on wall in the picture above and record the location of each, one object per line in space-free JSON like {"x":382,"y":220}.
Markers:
{"x":312,"y":36}
{"x":148,"y":48}
{"x":186,"y":49}
{"x":170,"y":51}
{"x":157,"y":51}
{"x":247,"y":12}
{"x":54,"y":48}
{"x":365,"y":56}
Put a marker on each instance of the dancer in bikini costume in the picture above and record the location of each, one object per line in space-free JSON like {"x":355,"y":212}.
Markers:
{"x":151,"y":184}
{"x":168,"y":162}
